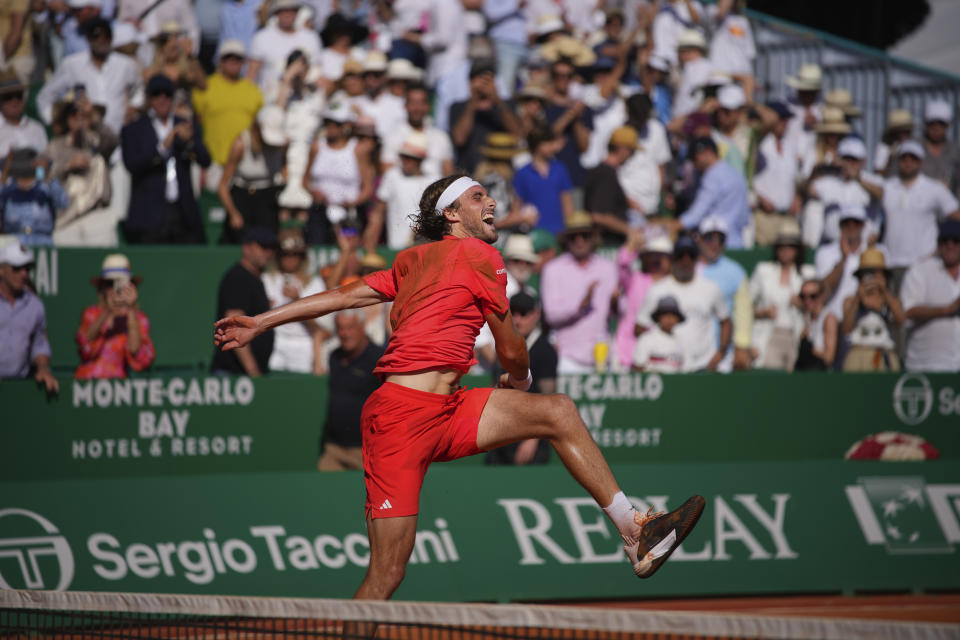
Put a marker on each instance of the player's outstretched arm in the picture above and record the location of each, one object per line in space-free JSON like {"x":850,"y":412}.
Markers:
{"x":511,"y":350}
{"x":238,"y":331}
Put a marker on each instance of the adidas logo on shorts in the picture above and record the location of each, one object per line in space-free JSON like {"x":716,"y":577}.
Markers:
{"x":386,"y":505}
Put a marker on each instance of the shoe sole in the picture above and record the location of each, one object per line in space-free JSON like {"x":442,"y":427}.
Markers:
{"x":682,"y":520}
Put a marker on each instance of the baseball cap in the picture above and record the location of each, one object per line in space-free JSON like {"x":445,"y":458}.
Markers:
{"x":691,"y":39}
{"x":160,"y":84}
{"x":702,"y":144}
{"x":338,"y":112}
{"x":659,"y":244}
{"x":781,"y":109}
{"x":482,"y":66}
{"x":415,"y":145}
{"x":659,"y":63}
{"x":714,"y":224}
{"x":685,"y":244}
{"x":519,"y":246}
{"x":852,"y":147}
{"x":95,"y":27}
{"x":15,"y":254}
{"x":911,"y":147}
{"x":523,"y":303}
{"x":263,"y":236}
{"x":937,"y":111}
{"x":731,"y":96}
{"x":949,"y":229}
{"x":232,"y":47}
{"x":667,"y":304}
{"x":853,"y":212}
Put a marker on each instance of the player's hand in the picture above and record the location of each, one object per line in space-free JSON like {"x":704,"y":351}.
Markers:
{"x":235,"y":332}
{"x":504,"y":382}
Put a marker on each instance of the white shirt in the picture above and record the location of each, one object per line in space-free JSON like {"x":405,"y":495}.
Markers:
{"x":701,"y":301}
{"x":831,"y":190}
{"x":163,"y":129}
{"x":666,"y":28}
{"x":777,"y":182}
{"x":804,"y":139}
{"x":116,"y":85}
{"x":445,"y":41}
{"x":272,"y":47}
{"x":912,"y":214}
{"x":640,"y":174}
{"x":689,"y":95}
{"x":26,"y":134}
{"x":658,"y":351}
{"x":933,"y":345}
{"x":402,"y":196}
{"x":731,"y":48}
{"x":273,"y":282}
{"x":827,"y":258}
{"x":387,"y":111}
{"x":608,"y":114}
{"x":439,"y":147}
{"x":766,"y":290}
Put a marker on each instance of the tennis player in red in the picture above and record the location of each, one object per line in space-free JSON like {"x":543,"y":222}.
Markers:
{"x":443,"y":292}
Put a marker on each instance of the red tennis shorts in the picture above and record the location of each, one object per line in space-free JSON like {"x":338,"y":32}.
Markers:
{"x":404,"y":430}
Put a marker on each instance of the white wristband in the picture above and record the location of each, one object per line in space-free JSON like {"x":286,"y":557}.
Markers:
{"x":521,"y":385}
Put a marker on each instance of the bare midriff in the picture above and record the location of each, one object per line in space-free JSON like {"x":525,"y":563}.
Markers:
{"x":442,"y":381}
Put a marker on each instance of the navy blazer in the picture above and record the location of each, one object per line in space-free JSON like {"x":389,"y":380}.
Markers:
{"x":148,"y":174}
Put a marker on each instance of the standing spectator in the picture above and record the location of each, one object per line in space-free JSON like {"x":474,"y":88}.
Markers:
{"x":673,"y":18}
{"x":378,"y":103}
{"x":777,"y":308}
{"x":807,"y":106}
{"x":114,"y":334}
{"x":150,"y":16}
{"x":942,"y":157}
{"x":569,"y":117}
{"x":297,"y":346}
{"x":871,"y":317}
{"x":656,"y":83}
{"x":824,"y":156}
{"x":818,"y":340}
{"x":71,"y":31}
{"x":174,"y":58}
{"x":483,"y":113}
{"x":439,"y":159}
{"x":17,"y":131}
{"x":339,"y":36}
{"x":914,"y":205}
{"x":696,"y":68}
{"x":775,"y":183}
{"x":240,"y":293}
{"x":159,"y":149}
{"x":643,"y":175}
{"x":702,"y":304}
{"x":603,"y":197}
{"x":398,"y":195}
{"x":29,"y":205}
{"x":734,"y":138}
{"x":732,"y":50}
{"x":577,"y":288}
{"x":722,"y":270}
{"x":525,"y":313}
{"x":351,"y":382}
{"x":899,"y":128}
{"x":545,"y":183}
{"x":238,"y":21}
{"x":931,"y":298}
{"x":655,"y":264}
{"x":836,"y":262}
{"x":508,"y":31}
{"x":658,"y":349}
{"x":274,"y":43}
{"x":722,"y":192}
{"x":229,"y":102}
{"x":829,"y":193}
{"x":23,"y":322}
{"x":107,"y":78}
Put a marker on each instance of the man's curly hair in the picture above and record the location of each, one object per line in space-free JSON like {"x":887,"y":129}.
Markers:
{"x":427,"y":223}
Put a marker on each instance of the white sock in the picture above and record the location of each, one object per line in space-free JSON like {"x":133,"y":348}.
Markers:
{"x":621,"y":512}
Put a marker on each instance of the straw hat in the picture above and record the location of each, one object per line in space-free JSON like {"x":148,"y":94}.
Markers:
{"x":834,"y":121}
{"x":900,"y":119}
{"x":578,"y":221}
{"x":403,"y":69}
{"x":659,"y":244}
{"x":415,"y":145}
{"x":500,"y":146}
{"x":519,"y":246}
{"x":809,"y":78}
{"x":170,"y":28}
{"x":535,"y":91}
{"x":569,"y":48}
{"x":625,"y":136}
{"x":789,"y":234}
{"x":691,"y":39}
{"x":10,"y":82}
{"x":843,"y":100}
{"x":549,"y":23}
{"x":115,"y":266}
{"x":872,"y":260}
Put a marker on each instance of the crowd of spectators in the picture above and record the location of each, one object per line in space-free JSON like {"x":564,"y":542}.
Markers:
{"x":626,"y":142}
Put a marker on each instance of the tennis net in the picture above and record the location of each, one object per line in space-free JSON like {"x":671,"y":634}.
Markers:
{"x":75,"y":615}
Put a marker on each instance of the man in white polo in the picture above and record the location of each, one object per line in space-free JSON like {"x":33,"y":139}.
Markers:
{"x":835,"y":262}
{"x":931,"y":302}
{"x":913,"y":204}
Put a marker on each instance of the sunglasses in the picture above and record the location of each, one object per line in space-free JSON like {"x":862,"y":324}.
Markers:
{"x":561,"y":75}
{"x":23,"y":267}
{"x":11,"y":96}
{"x":157,"y":94}
{"x":809,"y":296}
{"x":685,"y":254}
{"x":582,"y":235}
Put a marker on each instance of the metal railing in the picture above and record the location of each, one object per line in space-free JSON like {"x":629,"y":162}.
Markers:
{"x":877,"y":81}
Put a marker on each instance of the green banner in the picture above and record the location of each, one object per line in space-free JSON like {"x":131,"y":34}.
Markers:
{"x":492,"y":534}
{"x":163,"y":425}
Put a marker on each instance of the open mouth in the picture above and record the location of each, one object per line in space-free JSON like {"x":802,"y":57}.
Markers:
{"x":487,"y":218}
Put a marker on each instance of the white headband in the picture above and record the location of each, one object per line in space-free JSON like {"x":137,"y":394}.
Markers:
{"x":454,"y":191}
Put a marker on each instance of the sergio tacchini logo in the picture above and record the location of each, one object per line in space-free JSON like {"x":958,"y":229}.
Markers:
{"x":23,"y":552}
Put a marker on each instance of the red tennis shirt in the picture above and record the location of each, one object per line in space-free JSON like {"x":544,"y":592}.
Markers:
{"x":441,"y":291}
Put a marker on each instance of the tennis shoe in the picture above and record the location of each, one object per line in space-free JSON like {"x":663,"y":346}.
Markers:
{"x":659,"y":534}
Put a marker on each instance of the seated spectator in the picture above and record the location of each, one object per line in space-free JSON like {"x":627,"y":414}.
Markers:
{"x":297,"y":346}
{"x":351,"y":382}
{"x":777,"y":308}
{"x":722,"y":192}
{"x":28,"y":203}
{"x":241,"y":293}
{"x":722,"y":270}
{"x":545,"y":183}
{"x":159,"y":149}
{"x":520,"y":260}
{"x":702,"y":303}
{"x":654,"y":255}
{"x":775,"y":182}
{"x":273,"y":44}
{"x":173,"y":58}
{"x":818,"y":340}
{"x":525,"y":313}
{"x":658,"y":349}
{"x":643,"y":175}
{"x":439,"y":159}
{"x":339,"y":36}
{"x":24,"y":347}
{"x":79,"y":154}
{"x":577,"y":287}
{"x":531,"y":102}
{"x":114,"y":334}
{"x":107,"y":78}
{"x":228,"y":103}
{"x":17,"y":131}
{"x":253,"y":175}
{"x":398,"y":195}
{"x":899,"y":128}
{"x":931,"y":300}
{"x":495,"y":172}
{"x":349,"y":88}
{"x":603,"y":197}
{"x":483,"y":113}
{"x":836,"y":262}
{"x":941,"y":159}
{"x":871,"y":317}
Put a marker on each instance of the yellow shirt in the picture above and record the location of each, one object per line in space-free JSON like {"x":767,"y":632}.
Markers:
{"x":225,"y":109}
